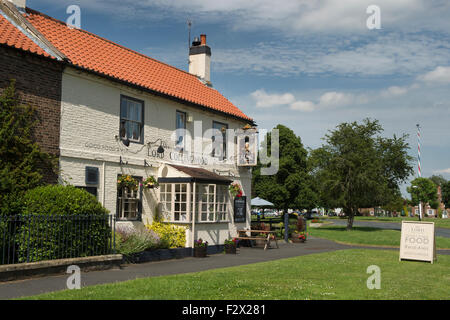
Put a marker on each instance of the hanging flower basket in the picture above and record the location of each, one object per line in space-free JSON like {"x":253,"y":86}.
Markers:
{"x":151,"y":183}
{"x":127,"y":181}
{"x":235,"y":190}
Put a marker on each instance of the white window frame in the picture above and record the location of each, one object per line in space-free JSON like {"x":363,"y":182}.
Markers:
{"x":211,"y":215}
{"x":129,"y":197}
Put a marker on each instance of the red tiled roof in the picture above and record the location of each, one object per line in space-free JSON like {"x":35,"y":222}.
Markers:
{"x":93,"y":53}
{"x":13,"y":37}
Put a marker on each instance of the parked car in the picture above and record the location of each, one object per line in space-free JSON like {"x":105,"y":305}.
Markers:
{"x":332,"y":214}
{"x":310,"y":215}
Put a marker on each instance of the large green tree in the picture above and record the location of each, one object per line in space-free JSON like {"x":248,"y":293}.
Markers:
{"x":21,"y":158}
{"x":423,"y":190}
{"x":357,"y":168}
{"x":291,"y":186}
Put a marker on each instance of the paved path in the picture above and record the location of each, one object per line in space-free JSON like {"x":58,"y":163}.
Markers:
{"x":440,"y":232}
{"x":9,"y":290}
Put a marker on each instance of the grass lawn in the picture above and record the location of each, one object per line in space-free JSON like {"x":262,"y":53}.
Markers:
{"x":438,"y":223}
{"x":332,"y":275}
{"x":367,"y":236}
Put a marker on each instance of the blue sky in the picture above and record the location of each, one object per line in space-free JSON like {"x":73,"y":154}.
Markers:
{"x":307,"y":64}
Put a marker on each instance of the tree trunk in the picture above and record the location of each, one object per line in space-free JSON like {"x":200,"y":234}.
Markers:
{"x":351,"y":217}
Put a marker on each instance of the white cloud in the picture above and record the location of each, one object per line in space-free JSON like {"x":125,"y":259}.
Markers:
{"x":305,"y":106}
{"x":394,"y":91}
{"x":389,"y":54}
{"x":329,"y":99}
{"x":439,"y":75}
{"x":336,"y":99}
{"x":265,"y":100}
{"x":443,"y":171}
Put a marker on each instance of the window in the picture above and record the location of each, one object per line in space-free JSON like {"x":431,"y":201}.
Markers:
{"x":178,"y":202}
{"x":174,"y":201}
{"x":206,"y":194}
{"x":222,"y":203}
{"x":220,"y":151}
{"x":129,"y":203}
{"x":181,"y":127}
{"x":91,"y":176}
{"x":131,"y":119}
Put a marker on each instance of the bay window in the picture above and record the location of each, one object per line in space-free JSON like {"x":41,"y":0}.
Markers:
{"x":209,"y":202}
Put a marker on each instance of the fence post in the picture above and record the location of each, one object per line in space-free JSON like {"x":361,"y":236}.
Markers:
{"x":114,"y":233}
{"x":286,"y":227}
{"x":28,"y":240}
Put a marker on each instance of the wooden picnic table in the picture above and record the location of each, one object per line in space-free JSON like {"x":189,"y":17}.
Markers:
{"x":242,"y":235}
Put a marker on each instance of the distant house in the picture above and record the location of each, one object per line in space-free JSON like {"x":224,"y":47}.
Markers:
{"x":108,"y":112}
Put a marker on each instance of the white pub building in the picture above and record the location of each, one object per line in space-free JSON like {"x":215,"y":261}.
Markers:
{"x":123,"y":113}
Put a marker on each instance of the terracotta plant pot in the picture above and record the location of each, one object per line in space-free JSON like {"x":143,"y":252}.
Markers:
{"x":200,"y":252}
{"x":230,"y":248}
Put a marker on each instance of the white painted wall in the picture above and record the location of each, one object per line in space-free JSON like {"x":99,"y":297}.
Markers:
{"x":90,"y":120}
{"x":200,"y":65}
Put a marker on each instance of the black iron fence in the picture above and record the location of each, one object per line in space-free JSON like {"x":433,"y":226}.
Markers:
{"x":32,"y":238}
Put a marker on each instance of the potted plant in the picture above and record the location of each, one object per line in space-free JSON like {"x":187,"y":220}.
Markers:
{"x":200,"y":248}
{"x":151,"y":183}
{"x":127,"y":181}
{"x":298,"y":237}
{"x":230,"y":246}
{"x":235,"y":190}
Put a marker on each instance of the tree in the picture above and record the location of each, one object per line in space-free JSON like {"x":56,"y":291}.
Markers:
{"x":290,"y":187}
{"x":446,"y":194}
{"x":438,"y":180}
{"x":396,"y":204}
{"x":357,"y":168}
{"x":423,"y":190}
{"x":21,"y":158}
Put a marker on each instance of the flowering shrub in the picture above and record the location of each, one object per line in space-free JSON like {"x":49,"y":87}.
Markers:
{"x":127,"y":181}
{"x":171,"y":236}
{"x":299,"y":235}
{"x":235,"y":190}
{"x":129,"y":241}
{"x":233,"y":241}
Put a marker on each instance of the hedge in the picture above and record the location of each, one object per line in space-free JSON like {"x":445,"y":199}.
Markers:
{"x":62,"y":222}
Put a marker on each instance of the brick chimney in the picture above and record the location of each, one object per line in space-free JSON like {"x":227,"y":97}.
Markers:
{"x":20,"y":4}
{"x":200,"y":59}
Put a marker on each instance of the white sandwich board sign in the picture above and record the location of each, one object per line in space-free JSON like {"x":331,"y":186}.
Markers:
{"x":418,"y":241}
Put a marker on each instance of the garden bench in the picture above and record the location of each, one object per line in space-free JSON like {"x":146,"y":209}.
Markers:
{"x":242,"y":235}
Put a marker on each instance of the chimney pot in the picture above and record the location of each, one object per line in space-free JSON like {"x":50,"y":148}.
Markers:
{"x":203,"y":39}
